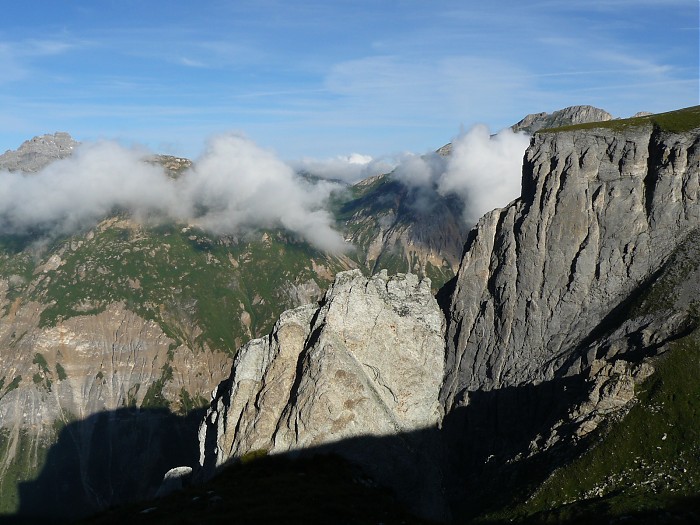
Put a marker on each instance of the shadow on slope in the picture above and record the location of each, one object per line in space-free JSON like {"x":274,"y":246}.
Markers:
{"x":108,"y":459}
{"x":463,"y":472}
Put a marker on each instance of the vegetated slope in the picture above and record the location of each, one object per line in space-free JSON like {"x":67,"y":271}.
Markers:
{"x":129,"y":316}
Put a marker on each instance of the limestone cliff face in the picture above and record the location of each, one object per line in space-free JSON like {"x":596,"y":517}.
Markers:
{"x":545,"y":335}
{"x":601,"y":211}
{"x":367,"y":362}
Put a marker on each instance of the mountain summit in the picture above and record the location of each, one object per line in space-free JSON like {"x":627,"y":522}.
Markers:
{"x":572,"y":316}
{"x":39,"y":152}
{"x":564,"y":117}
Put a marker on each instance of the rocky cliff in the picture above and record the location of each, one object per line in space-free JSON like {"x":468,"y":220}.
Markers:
{"x":601,"y":211}
{"x":367,"y":362}
{"x":38,"y":152}
{"x":564,"y":117}
{"x":550,"y":328}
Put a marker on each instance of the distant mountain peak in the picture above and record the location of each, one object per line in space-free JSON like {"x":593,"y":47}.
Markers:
{"x":38,"y":152}
{"x":563,"y":117}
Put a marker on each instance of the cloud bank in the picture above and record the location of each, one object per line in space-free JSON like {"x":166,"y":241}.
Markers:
{"x":237,"y":184}
{"x":347,"y":168}
{"x":233,"y":187}
{"x":484,"y":171}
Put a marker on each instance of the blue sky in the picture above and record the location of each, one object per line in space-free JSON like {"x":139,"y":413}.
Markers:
{"x":318,"y":78}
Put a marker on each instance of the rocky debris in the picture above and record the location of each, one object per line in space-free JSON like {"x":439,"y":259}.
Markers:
{"x":367,"y":362}
{"x":173,"y":165}
{"x":39,"y":152}
{"x":563,"y":117}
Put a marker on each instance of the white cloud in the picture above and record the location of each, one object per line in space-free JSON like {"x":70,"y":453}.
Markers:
{"x":240,"y":185}
{"x":347,"y":168}
{"x":234,"y":186}
{"x":74,"y":192}
{"x":484,"y":171}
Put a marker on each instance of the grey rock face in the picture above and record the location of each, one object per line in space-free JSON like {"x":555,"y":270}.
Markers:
{"x":38,"y":152}
{"x":601,"y":211}
{"x":368,"y":362}
{"x":563,"y":117}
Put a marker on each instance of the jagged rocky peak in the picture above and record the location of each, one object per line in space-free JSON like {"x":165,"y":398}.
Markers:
{"x":367,"y":362}
{"x":563,"y":117}
{"x":37,"y":153}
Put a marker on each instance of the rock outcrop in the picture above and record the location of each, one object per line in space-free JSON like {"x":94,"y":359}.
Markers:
{"x":38,"y":152}
{"x":564,"y":117}
{"x":367,"y":362}
{"x":545,"y":336}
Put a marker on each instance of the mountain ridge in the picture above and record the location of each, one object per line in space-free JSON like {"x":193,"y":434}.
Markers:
{"x":585,"y":373}
{"x":121,"y":275}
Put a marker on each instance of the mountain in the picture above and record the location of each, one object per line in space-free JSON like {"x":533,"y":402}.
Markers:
{"x":113,"y":338}
{"x":403,"y":229}
{"x":562,"y":303}
{"x":38,"y":152}
{"x":570,"y":349}
{"x":572,"y":115}
{"x":143,"y":320}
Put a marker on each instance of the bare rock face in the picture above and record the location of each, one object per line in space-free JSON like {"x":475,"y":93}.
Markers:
{"x":601,"y":211}
{"x":38,"y":152}
{"x":563,"y":117}
{"x":367,"y":362}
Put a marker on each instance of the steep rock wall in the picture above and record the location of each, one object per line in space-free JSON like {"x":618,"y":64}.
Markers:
{"x":367,"y":362}
{"x":600,"y":212}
